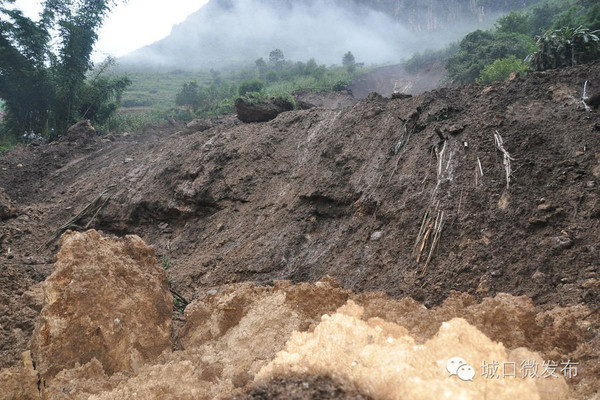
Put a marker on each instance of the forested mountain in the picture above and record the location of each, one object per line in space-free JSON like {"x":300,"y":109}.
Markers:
{"x":234,"y":31}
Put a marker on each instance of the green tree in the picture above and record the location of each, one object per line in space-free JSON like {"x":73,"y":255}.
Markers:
{"x":349,"y":62}
{"x":514,"y":22}
{"x":276,"y":57}
{"x":44,"y":64}
{"x":500,"y":69}
{"x":189,"y":96}
{"x":262,"y":67}
{"x":251,"y":86}
{"x":565,"y":47}
{"x":481,"y":48}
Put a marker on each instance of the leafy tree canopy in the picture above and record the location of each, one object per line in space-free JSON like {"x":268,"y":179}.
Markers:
{"x":44,"y":65}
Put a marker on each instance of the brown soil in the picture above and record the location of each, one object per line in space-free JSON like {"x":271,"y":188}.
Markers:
{"x":339,"y":192}
{"x":302,"y":387}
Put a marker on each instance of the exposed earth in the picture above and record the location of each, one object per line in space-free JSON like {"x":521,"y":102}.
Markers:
{"x":475,"y":206}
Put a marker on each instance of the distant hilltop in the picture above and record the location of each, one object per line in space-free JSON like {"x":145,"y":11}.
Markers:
{"x":227,"y":32}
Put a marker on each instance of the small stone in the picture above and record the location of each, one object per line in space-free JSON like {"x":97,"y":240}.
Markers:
{"x":127,"y":160}
{"x":376,"y":235}
{"x":538,"y":276}
{"x":497,"y":272}
{"x":19,"y":165}
{"x":546,"y":207}
{"x":211,"y":292}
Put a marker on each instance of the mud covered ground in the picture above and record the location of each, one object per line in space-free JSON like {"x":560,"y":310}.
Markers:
{"x":407,"y":196}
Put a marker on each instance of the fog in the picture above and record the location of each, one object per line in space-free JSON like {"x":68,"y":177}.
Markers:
{"x":226,"y":32}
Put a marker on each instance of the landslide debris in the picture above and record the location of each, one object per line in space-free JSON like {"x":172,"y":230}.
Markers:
{"x":256,"y":110}
{"x":405,"y":196}
{"x":105,"y":300}
{"x":384,"y":362}
{"x":242,"y":339}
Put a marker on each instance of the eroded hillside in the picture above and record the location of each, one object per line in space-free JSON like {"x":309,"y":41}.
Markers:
{"x":480,"y":190}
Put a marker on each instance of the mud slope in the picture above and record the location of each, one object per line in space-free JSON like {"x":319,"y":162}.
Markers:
{"x":362,"y":194}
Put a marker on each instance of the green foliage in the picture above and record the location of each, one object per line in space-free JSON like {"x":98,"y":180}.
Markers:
{"x":514,"y":22}
{"x":43,"y":78}
{"x":542,"y":17}
{"x":165,"y":261}
{"x":481,"y":48}
{"x":285,"y":101}
{"x":276,"y":57}
{"x":189,"y":96}
{"x":213,"y":99}
{"x":500,"y":69}
{"x":349,"y":62}
{"x":137,"y":121}
{"x":592,"y":18}
{"x":253,"y":85}
{"x":565,"y":47}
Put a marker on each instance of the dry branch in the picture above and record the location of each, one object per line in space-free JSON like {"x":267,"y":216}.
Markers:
{"x":507,"y":158}
{"x":93,"y":208}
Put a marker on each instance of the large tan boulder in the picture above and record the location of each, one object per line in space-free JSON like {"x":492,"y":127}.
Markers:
{"x":106,"y":300}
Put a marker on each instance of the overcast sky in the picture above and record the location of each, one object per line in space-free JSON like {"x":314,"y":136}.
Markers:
{"x":132,"y":25}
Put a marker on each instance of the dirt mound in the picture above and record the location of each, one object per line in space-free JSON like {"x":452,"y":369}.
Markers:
{"x":383,"y":361}
{"x":480,"y":190}
{"x":82,"y":130}
{"x":231,"y":338}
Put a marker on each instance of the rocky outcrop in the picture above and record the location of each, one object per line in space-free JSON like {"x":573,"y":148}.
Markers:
{"x":106,"y":300}
{"x":260,"y":111}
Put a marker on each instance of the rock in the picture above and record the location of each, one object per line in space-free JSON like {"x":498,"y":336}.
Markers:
{"x":557,"y":243}
{"x":198,"y":125}
{"x":34,"y":297}
{"x":82,"y":130}
{"x":259,"y":111}
{"x":376,"y":235}
{"x":127,"y":160}
{"x":96,"y":281}
{"x":19,"y":165}
{"x":7,"y":210}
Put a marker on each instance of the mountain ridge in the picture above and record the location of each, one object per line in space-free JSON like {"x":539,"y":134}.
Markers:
{"x":226,"y":32}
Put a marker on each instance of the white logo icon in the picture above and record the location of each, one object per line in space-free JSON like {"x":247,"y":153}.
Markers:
{"x":459,"y":367}
{"x":465,"y":373}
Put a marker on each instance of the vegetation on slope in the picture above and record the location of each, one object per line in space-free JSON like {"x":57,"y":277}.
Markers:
{"x":46,"y":77}
{"x":551,"y":34}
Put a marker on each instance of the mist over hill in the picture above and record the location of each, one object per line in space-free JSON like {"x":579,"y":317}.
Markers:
{"x":227,"y":32}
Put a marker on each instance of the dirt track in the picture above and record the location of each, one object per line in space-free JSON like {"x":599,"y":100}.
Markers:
{"x":355,"y":193}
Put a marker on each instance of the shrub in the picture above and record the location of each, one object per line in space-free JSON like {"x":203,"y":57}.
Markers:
{"x":340,"y":85}
{"x":500,"y":69}
{"x":565,"y":47}
{"x":253,"y":85}
{"x":285,"y":101}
